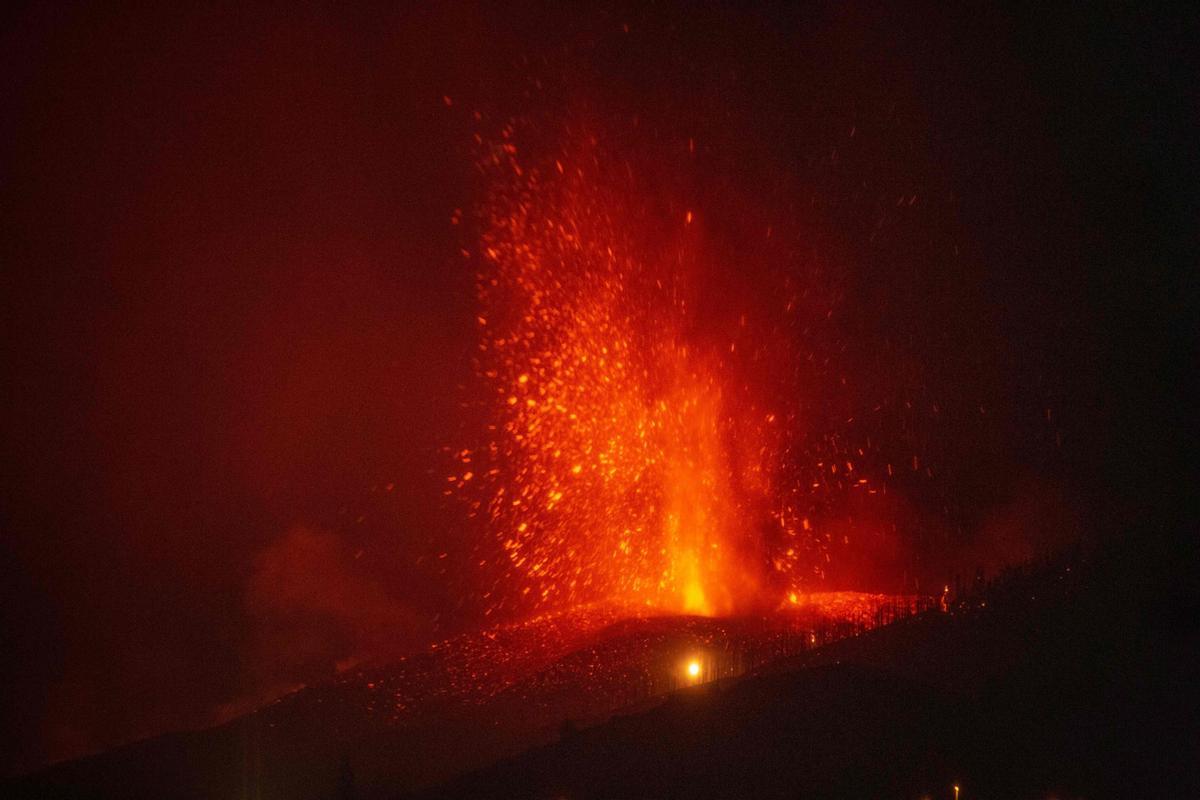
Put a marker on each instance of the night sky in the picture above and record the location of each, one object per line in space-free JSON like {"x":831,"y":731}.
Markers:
{"x":237,"y":326}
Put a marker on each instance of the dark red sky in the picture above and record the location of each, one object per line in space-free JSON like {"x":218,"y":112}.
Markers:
{"x":234,"y":311}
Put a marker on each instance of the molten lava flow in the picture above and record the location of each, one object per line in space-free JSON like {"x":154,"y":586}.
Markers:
{"x":621,"y":459}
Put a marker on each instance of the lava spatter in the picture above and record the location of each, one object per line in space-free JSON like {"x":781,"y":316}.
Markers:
{"x":625,"y":457}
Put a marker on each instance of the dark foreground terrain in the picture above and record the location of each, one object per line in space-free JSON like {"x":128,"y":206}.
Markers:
{"x":1073,"y":679}
{"x":1066,"y":679}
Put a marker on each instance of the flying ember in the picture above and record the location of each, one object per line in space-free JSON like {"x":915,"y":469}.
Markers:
{"x":625,"y":454}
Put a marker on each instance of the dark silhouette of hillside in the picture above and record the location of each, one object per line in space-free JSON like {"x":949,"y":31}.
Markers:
{"x":1070,"y":678}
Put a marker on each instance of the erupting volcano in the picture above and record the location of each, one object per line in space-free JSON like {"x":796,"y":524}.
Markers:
{"x":637,"y":450}
{"x":634,"y":400}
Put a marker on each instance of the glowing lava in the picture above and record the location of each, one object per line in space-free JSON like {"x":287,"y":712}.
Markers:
{"x":621,"y":460}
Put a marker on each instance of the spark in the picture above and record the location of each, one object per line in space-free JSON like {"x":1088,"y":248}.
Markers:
{"x":625,"y":459}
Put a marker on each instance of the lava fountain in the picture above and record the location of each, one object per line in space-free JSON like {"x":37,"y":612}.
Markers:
{"x":624,"y":456}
